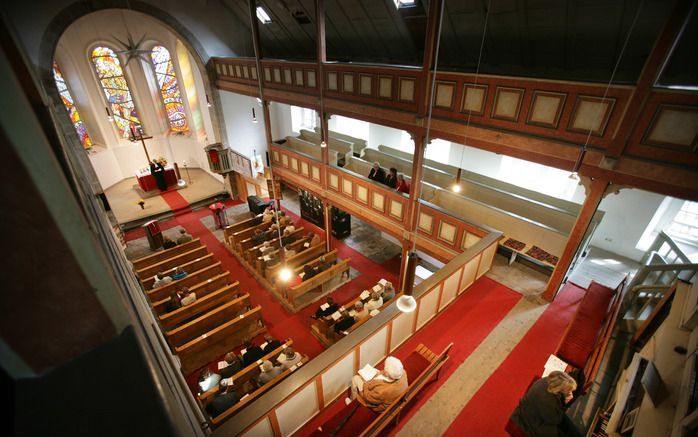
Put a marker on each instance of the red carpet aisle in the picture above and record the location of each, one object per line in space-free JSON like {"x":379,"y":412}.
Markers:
{"x":466,"y":323}
{"x":178,"y":204}
{"x":487,"y":412}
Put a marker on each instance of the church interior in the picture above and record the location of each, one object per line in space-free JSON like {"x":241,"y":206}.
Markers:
{"x":221,"y":214}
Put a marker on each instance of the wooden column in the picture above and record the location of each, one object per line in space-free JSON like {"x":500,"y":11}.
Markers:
{"x":321,"y":59}
{"x":328,"y":226}
{"x":406,"y":246}
{"x":416,"y":180}
{"x":594,"y":196}
{"x":430,"y":53}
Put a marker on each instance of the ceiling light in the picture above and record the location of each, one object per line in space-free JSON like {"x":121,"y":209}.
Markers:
{"x":574,"y":176}
{"x":323,"y":144}
{"x":262,"y":15}
{"x":285,"y":274}
{"x":405,"y":3}
{"x":456,"y":188}
{"x":254,"y":116}
{"x":406,"y":304}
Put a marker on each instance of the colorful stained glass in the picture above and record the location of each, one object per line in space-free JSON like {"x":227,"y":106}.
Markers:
{"x":169,"y":89}
{"x":69,"y":104}
{"x":111,"y":77}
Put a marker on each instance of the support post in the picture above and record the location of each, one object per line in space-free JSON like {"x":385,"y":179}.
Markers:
{"x":594,"y":196}
{"x":430,"y":52}
{"x":406,"y":245}
{"x":328,"y":226}
{"x":415,"y":181}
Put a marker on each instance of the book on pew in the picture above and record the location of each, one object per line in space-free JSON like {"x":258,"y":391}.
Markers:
{"x":228,"y":381}
{"x":336,"y":316}
{"x":377,"y":288}
{"x":306,"y":245}
{"x":364,"y":295}
{"x":554,"y":363}
{"x":382,"y":282}
{"x":324,"y":306}
{"x":368,"y":372}
{"x":373,"y":313}
{"x":222,"y":365}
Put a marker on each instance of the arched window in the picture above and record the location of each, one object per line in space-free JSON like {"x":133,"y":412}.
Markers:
{"x":169,"y":89}
{"x":111,"y":77}
{"x":69,"y":104}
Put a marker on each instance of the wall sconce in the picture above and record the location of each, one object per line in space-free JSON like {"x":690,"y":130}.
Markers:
{"x":208,"y":102}
{"x":254,"y":116}
{"x":109,"y":117}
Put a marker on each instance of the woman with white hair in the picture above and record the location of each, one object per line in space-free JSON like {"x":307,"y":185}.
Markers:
{"x":541,"y":411}
{"x":383,"y":389}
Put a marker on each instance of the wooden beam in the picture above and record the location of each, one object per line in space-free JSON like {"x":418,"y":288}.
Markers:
{"x":654,"y":64}
{"x":431,"y":43}
{"x":591,"y":203}
{"x":254,"y":24}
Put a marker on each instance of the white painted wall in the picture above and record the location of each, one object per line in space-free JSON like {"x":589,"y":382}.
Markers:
{"x":243,"y":135}
{"x":280,"y":114}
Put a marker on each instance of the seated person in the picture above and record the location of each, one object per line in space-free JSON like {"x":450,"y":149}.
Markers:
{"x":224,"y":400}
{"x":273,"y":259}
{"x":377,"y":173}
{"x":288,"y":230}
{"x":388,"y":291}
{"x":208,"y":380}
{"x":234,"y":365}
{"x":271,"y":344}
{"x":381,"y":391}
{"x":167,"y":243}
{"x":375,"y":303}
{"x":160,"y":280}
{"x":178,"y":274}
{"x":313,"y":239}
{"x":361,"y":311}
{"x":541,"y":411}
{"x":266,"y":248}
{"x":175,"y":302}
{"x":268,"y":214}
{"x":186,"y":297}
{"x":269,"y":372}
{"x":345,"y":322}
{"x":289,"y":358}
{"x":258,"y":237}
{"x":287,"y":238}
{"x":323,"y":264}
{"x":402,"y":185}
{"x":295,"y":280}
{"x":184,"y":237}
{"x":308,"y":272}
{"x":391,"y":178}
{"x":252,"y":353}
{"x":289,"y":252}
{"x":326,"y":312}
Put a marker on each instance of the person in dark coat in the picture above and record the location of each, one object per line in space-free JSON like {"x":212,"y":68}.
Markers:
{"x":345,"y":322}
{"x":158,"y":172}
{"x":377,"y":173}
{"x":329,"y":310}
{"x":225,"y":399}
{"x":391,"y":178}
{"x":271,"y":344}
{"x":252,"y":353}
{"x":541,"y":411}
{"x":234,"y":365}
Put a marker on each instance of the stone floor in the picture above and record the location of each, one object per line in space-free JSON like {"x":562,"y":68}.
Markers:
{"x":123,"y":197}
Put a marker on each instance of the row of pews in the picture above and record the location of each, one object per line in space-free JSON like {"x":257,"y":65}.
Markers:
{"x":220,"y":319}
{"x":258,"y":245}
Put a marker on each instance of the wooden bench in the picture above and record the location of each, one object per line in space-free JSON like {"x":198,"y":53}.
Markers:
{"x":246,"y":233}
{"x":260,"y":264}
{"x":330,"y":257}
{"x":202,"y":290}
{"x":170,"y":263}
{"x":191,"y":266}
{"x":296,"y":260}
{"x":206,"y":299}
{"x":251,"y":254}
{"x":251,"y":396}
{"x":239,"y":226}
{"x":317,"y":283}
{"x":216,"y":342}
{"x":196,"y":276}
{"x":355,"y":419}
{"x":156,"y":257}
{"x":208,"y":321}
{"x":244,"y":374}
{"x":248,"y":243}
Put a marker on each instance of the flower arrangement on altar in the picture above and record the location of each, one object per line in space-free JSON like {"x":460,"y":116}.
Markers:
{"x":162,"y":160}
{"x":141,"y":203}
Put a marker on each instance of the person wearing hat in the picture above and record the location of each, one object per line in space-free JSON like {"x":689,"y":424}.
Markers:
{"x":289,"y":358}
{"x":383,"y":389}
{"x":226,"y":398}
{"x":269,"y":372}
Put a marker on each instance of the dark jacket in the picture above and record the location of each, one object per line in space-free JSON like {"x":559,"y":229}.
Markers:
{"x":231,"y":370}
{"x":330,"y":310}
{"x":271,"y":346}
{"x":390,"y":180}
{"x":223,"y":402}
{"x":344,"y":324}
{"x":253,"y":354}
{"x":539,"y":412}
{"x":377,"y":175}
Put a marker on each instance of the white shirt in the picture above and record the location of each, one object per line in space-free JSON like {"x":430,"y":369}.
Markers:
{"x":374,"y":304}
{"x":160,"y":282}
{"x":286,"y":363}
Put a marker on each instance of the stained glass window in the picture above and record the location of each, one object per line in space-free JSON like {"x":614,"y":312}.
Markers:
{"x":169,"y":89}
{"x":111,"y":77}
{"x":69,"y":104}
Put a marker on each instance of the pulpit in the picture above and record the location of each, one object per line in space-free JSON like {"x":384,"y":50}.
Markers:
{"x":154,"y":234}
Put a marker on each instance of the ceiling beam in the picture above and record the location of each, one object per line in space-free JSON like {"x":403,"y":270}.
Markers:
{"x":431,"y":45}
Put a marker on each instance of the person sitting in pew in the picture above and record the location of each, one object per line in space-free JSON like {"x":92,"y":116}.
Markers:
{"x":273,"y":259}
{"x":252,"y":353}
{"x":377,"y":173}
{"x":289,"y":229}
{"x":383,"y":389}
{"x":345,"y":322}
{"x":266,"y":248}
{"x":208,"y":380}
{"x":391,"y":178}
{"x":224,"y":400}
{"x":361,"y":311}
{"x":175,"y":302}
{"x":313,"y":239}
{"x":269,"y":372}
{"x":375,"y":303}
{"x":234,"y":365}
{"x":167,"y":243}
{"x":288,"y":238}
{"x":268,"y":214}
{"x":388,"y":292}
{"x":330,"y":309}
{"x":323,"y":265}
{"x":160,"y":280}
{"x":178,"y":274}
{"x":308,"y":272}
{"x":184,"y":237}
{"x":402,"y":185}
{"x":289,"y":358}
{"x":270,"y":344}
{"x":289,"y":252}
{"x":258,"y":237}
{"x":186,"y":297}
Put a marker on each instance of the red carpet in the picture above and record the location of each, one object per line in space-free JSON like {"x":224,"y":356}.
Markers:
{"x":177,"y":203}
{"x":466,"y":323}
{"x":488,"y":411}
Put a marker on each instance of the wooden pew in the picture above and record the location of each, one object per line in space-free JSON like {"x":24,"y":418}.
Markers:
{"x":215,"y":299}
{"x":317,"y":283}
{"x":176,"y":261}
{"x":296,"y":260}
{"x":244,"y":374}
{"x":190,"y":267}
{"x":239,"y":226}
{"x":156,"y":257}
{"x":260,"y":265}
{"x":248,"y":243}
{"x":207,"y":321}
{"x":251,"y":254}
{"x":244,"y":234}
{"x":216,"y":342}
{"x":330,"y":257}
{"x":201,"y":289}
{"x":254,"y":394}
